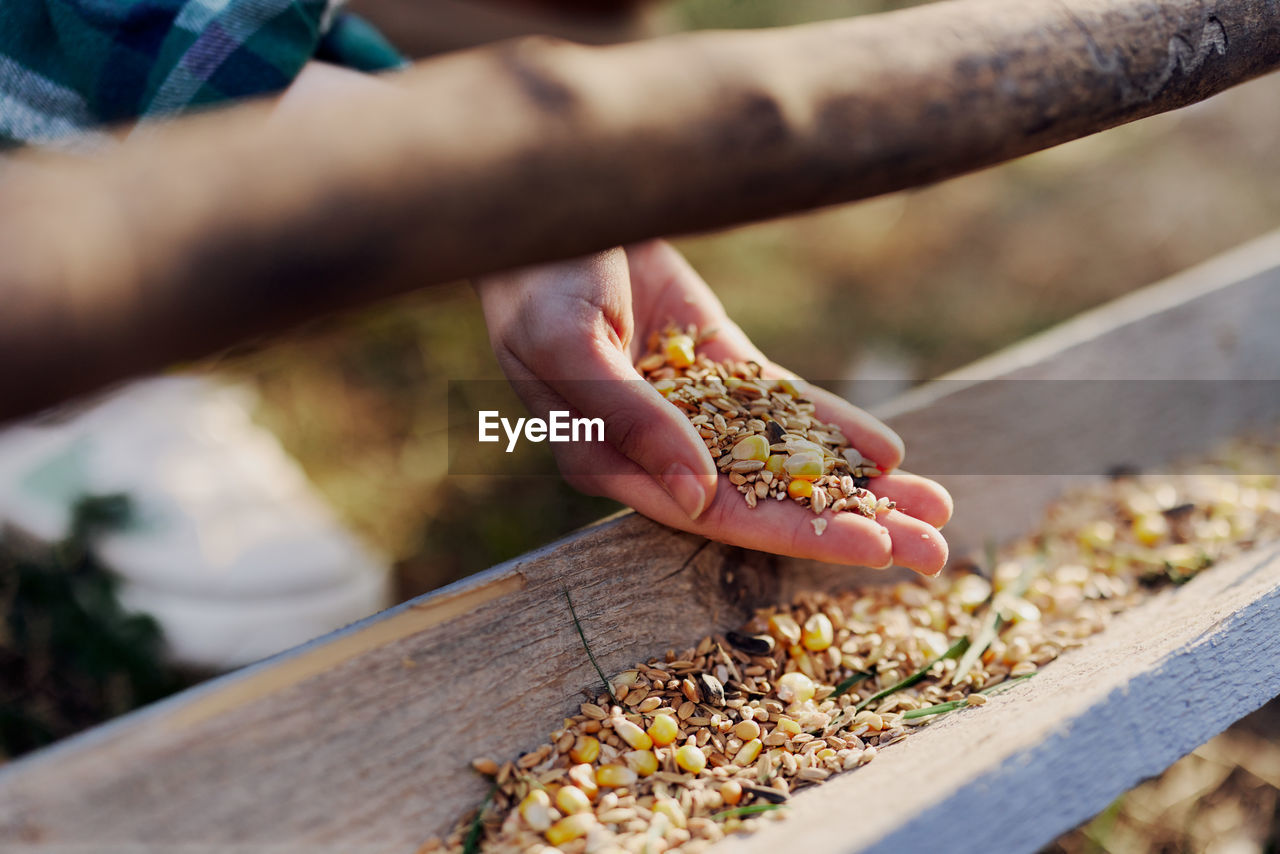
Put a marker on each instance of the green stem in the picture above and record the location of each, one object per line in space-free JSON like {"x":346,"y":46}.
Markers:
{"x":577,"y":624}
{"x":952,"y":705}
{"x":855,"y":679}
{"x":472,"y":843}
{"x":941,"y":708}
{"x":994,"y":622}
{"x":956,"y":648}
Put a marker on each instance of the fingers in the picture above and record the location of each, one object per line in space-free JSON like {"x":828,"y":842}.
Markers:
{"x":638,"y":421}
{"x":915,"y":496}
{"x":916,"y":544}
{"x":648,"y":430}
{"x":781,"y":527}
{"x":786,"y":528}
{"x":644,"y":435}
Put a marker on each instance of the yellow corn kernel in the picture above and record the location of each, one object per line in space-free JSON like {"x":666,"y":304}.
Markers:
{"x":571,"y":827}
{"x":1150,"y":528}
{"x":826,"y":753}
{"x":785,"y":628}
{"x":1015,"y":609}
{"x":585,"y":749}
{"x":664,"y":730}
{"x":691,"y":759}
{"x":748,"y":753}
{"x":584,"y":777}
{"x":775,"y":464}
{"x":671,"y":808}
{"x":1185,"y":556}
{"x":731,"y":792}
{"x":800,"y":489}
{"x":643,"y":762}
{"x":818,"y":633}
{"x":678,"y":350}
{"x":571,"y":799}
{"x":787,"y":725}
{"x":1098,"y":535}
{"x":932,"y":644}
{"x":804,"y":465}
{"x":535,"y":809}
{"x":755,"y":447}
{"x":795,"y":688}
{"x":632,"y":734}
{"x":665,"y":387}
{"x":615,"y":776}
{"x":747,"y":730}
{"x":971,"y":591}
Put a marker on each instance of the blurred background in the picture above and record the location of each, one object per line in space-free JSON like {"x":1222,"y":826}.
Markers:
{"x":899,"y":288}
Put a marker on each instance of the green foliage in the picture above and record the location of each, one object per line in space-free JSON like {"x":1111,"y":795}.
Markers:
{"x":70,"y":656}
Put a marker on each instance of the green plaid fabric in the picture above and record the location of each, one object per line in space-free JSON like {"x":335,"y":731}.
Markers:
{"x":70,"y":66}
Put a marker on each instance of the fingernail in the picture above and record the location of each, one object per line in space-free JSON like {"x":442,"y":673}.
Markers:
{"x":899,"y":445}
{"x":680,"y":481}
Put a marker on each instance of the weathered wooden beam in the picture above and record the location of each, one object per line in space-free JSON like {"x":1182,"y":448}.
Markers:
{"x":360,"y":741}
{"x":194,"y":237}
{"x":1150,"y":378}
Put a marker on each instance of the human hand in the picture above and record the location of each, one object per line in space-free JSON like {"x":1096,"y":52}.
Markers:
{"x":568,"y":335}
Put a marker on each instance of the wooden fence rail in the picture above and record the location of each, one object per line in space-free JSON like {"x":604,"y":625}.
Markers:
{"x":196,"y":236}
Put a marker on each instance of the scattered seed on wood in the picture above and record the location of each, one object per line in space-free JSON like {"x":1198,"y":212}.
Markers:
{"x":883,"y":670}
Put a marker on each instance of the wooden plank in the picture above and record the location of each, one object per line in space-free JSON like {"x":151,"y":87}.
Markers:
{"x":1147,"y":379}
{"x":361,"y":740}
{"x":197,"y":236}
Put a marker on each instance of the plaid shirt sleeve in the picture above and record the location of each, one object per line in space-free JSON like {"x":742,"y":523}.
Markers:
{"x":70,"y":66}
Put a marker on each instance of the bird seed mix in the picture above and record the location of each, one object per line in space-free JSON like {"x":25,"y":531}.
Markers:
{"x":762,"y":433}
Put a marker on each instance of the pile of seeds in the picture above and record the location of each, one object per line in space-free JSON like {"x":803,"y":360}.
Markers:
{"x":762,"y":433}
{"x":715,"y":738}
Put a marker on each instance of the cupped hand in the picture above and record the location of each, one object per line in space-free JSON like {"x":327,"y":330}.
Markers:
{"x":568,"y":335}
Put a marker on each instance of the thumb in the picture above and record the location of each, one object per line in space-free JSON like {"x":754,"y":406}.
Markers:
{"x":638,"y":422}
